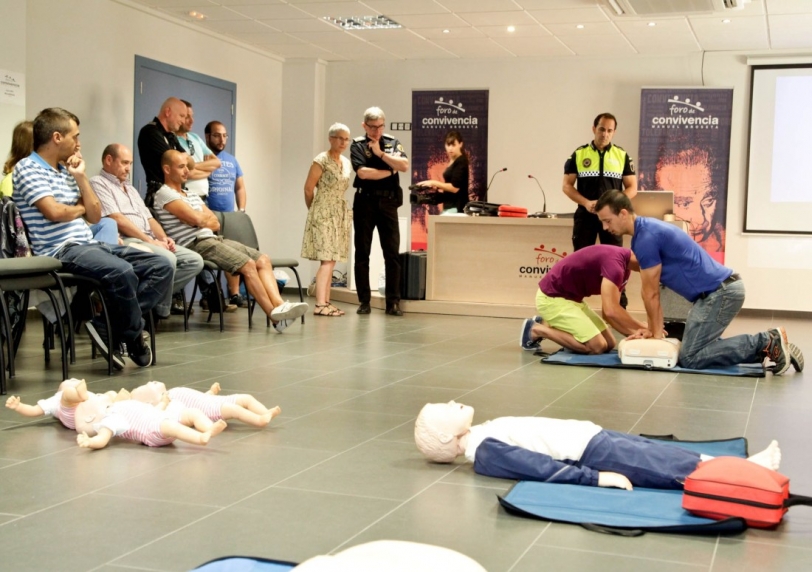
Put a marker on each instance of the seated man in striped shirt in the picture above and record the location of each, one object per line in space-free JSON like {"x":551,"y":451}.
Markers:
{"x":191,"y":224}
{"x":52,"y":199}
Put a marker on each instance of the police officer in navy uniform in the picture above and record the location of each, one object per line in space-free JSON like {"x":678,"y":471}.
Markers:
{"x":598,"y":167}
{"x":377,"y":159}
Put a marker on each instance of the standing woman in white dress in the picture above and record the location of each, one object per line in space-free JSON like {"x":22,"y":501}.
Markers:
{"x":329,"y":219}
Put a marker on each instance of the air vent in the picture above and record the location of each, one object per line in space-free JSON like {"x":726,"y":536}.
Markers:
{"x":672,"y":7}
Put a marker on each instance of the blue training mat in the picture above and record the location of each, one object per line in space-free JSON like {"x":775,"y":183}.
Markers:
{"x":614,"y":511}
{"x":245,"y":564}
{"x":617,"y":511}
{"x":611,"y":359}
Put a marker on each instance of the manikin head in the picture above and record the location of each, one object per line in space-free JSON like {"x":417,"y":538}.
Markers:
{"x":151,"y":392}
{"x":392,"y":556}
{"x":89,"y":413}
{"x":439,"y":428}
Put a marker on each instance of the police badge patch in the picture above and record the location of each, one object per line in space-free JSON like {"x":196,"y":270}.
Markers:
{"x":587,"y":162}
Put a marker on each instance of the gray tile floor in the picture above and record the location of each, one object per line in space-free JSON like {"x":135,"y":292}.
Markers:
{"x":339,"y":467}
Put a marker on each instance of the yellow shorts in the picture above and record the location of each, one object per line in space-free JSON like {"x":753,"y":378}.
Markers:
{"x":572,"y":317}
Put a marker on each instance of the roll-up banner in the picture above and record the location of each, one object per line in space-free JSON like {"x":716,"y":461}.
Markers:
{"x":434,"y":114}
{"x":685,"y":148}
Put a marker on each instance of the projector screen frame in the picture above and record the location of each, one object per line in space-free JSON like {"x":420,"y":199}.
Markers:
{"x":754,"y":68}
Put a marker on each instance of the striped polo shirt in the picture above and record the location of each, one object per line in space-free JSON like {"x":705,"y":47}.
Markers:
{"x":35,"y":179}
{"x":182,"y":233}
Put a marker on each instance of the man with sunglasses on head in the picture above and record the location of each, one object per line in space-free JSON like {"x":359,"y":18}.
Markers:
{"x":377,"y":158}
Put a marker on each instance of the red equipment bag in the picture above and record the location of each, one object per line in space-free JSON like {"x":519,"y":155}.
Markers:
{"x":730,"y":486}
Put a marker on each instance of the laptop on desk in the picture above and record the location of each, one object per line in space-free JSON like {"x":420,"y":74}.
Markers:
{"x":654,"y":204}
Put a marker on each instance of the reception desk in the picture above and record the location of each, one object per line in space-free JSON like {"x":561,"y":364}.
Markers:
{"x":494,"y":260}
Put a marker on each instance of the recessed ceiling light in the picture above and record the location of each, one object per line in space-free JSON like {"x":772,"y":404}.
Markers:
{"x":446,"y":31}
{"x":652,"y":24}
{"x":511,"y":29}
{"x":580,"y":26}
{"x":725,"y":21}
{"x":363,"y":22}
{"x":197,"y":15}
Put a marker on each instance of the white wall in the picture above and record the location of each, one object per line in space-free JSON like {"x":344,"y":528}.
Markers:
{"x":80,"y":56}
{"x":540,"y":110}
{"x":305,"y":137}
{"x":12,"y":58}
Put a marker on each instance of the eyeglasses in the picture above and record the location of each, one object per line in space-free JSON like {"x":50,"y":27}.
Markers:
{"x":191,"y":146}
{"x":343,"y":139}
{"x":375,"y":127}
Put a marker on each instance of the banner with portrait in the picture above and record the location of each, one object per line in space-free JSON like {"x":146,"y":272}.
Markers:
{"x":685,"y":148}
{"x":434,"y":114}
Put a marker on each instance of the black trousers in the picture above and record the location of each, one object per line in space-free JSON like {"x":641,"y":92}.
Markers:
{"x":587,"y":228}
{"x":370,"y":212}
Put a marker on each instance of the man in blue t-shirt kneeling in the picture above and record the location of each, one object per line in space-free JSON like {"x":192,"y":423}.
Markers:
{"x":667,"y":254}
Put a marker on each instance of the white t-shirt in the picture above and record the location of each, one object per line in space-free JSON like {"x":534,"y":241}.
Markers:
{"x":561,"y":439}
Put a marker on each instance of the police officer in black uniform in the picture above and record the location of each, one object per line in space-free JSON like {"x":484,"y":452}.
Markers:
{"x":598,"y":167}
{"x":376,"y":159}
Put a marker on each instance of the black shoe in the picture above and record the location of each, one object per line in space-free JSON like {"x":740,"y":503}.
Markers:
{"x":98,"y":335}
{"x":237,"y":300}
{"x":364,"y":308}
{"x":139,"y":351}
{"x":177,"y":308}
{"x":394,"y":310}
{"x":212,"y":305}
{"x":777,"y":350}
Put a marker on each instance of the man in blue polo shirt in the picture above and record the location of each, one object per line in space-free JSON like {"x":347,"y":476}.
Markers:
{"x":53,"y":193}
{"x":668,"y":255}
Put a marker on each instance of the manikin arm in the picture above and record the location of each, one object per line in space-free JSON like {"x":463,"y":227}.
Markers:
{"x":497,"y":459}
{"x":100,"y":441}
{"x":15,"y":404}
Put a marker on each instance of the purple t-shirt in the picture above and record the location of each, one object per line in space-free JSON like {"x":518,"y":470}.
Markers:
{"x":580,"y":274}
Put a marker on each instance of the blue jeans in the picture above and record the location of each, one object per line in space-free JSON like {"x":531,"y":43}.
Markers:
{"x":708,"y":319}
{"x":106,"y":230}
{"x":186,"y":264}
{"x":133,"y":281}
{"x":645,"y":463}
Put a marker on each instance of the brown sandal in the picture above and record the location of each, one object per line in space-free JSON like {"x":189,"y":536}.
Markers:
{"x":326,"y":310}
{"x":339,"y":310}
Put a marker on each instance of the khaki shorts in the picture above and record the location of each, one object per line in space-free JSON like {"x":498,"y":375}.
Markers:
{"x":572,"y":317}
{"x":226,"y":254}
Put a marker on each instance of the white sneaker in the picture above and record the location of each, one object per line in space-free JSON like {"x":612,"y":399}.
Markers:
{"x":282,"y":325}
{"x":289,"y":311}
